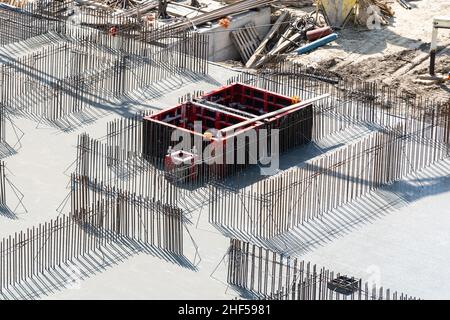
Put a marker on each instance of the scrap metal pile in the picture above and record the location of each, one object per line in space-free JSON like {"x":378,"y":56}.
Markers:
{"x":238,"y":7}
{"x":123,"y":4}
{"x":15,"y":3}
{"x":287,"y":34}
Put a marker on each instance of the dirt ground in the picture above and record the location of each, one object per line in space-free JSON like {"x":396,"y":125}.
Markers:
{"x":390,"y":70}
{"x":396,"y":54}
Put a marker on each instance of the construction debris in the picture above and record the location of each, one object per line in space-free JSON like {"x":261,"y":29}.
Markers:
{"x":337,"y":12}
{"x":162,"y":9}
{"x":246,"y":40}
{"x":404,"y":4}
{"x":215,"y":15}
{"x":297,"y":3}
{"x":287,"y":34}
{"x":121,"y":4}
{"x":373,"y":11}
{"x":315,"y":34}
{"x":283,"y":17}
{"x":141,"y":9}
{"x":383,"y":5}
{"x":15,"y":3}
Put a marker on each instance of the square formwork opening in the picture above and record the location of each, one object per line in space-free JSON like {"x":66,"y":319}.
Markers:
{"x":249,"y":99}
{"x":185,"y":115}
{"x":159,"y":127}
{"x":234,"y":109}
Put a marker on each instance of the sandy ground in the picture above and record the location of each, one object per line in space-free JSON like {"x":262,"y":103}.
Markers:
{"x":385,"y":54}
{"x":395,"y":54}
{"x":389,"y":71}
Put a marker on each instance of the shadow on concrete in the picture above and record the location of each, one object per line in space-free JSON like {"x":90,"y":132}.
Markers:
{"x":70,"y":274}
{"x":298,"y":156}
{"x":6,"y":212}
{"x":96,"y":106}
{"x":352,"y":216}
{"x":6,"y":150}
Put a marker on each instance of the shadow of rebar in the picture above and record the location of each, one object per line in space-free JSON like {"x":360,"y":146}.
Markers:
{"x":6,"y":212}
{"x":70,"y":273}
{"x":6,"y":150}
{"x":342,"y":221}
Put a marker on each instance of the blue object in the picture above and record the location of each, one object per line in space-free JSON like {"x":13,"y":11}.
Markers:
{"x":316,"y":44}
{"x":12,"y":8}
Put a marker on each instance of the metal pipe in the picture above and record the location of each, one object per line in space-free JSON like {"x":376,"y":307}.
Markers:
{"x":241,"y":114}
{"x":236,"y":8}
{"x":433,"y":50}
{"x":442,"y":22}
{"x":316,"y":44}
{"x":211,"y":108}
{"x":275,"y":113}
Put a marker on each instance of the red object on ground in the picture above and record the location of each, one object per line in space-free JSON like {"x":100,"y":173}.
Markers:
{"x":225,"y":23}
{"x":114,"y":31}
{"x":181,"y":164}
{"x":315,"y":34}
{"x":218,"y":110}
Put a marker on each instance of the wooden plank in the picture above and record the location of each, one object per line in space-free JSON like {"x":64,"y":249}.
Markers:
{"x":262,"y":46}
{"x":246,"y":40}
{"x":279,"y":49}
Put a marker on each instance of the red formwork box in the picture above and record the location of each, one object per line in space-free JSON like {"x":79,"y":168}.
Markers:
{"x":159,"y":127}
{"x":230,"y":106}
{"x":249,"y":99}
{"x":183,"y":117}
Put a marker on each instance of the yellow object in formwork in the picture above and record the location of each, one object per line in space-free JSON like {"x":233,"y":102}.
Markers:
{"x":337,"y":11}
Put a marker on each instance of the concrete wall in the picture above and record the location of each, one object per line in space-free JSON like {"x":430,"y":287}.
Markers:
{"x":221,"y":47}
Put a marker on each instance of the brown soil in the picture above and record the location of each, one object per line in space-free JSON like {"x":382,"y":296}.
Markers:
{"x":382,"y":69}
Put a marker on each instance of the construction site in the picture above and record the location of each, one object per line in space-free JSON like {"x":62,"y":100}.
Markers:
{"x":225,"y":149}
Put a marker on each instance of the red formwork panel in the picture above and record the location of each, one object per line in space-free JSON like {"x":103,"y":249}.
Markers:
{"x":184,"y":115}
{"x":249,"y":99}
{"x":159,"y":127}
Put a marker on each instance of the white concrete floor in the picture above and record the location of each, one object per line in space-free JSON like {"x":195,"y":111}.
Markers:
{"x":401,"y":240}
{"x":397,"y":237}
{"x":38,"y":171}
{"x":406,"y":243}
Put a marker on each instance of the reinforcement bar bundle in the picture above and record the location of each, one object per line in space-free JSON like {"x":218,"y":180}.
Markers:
{"x":133,"y":174}
{"x":108,"y":216}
